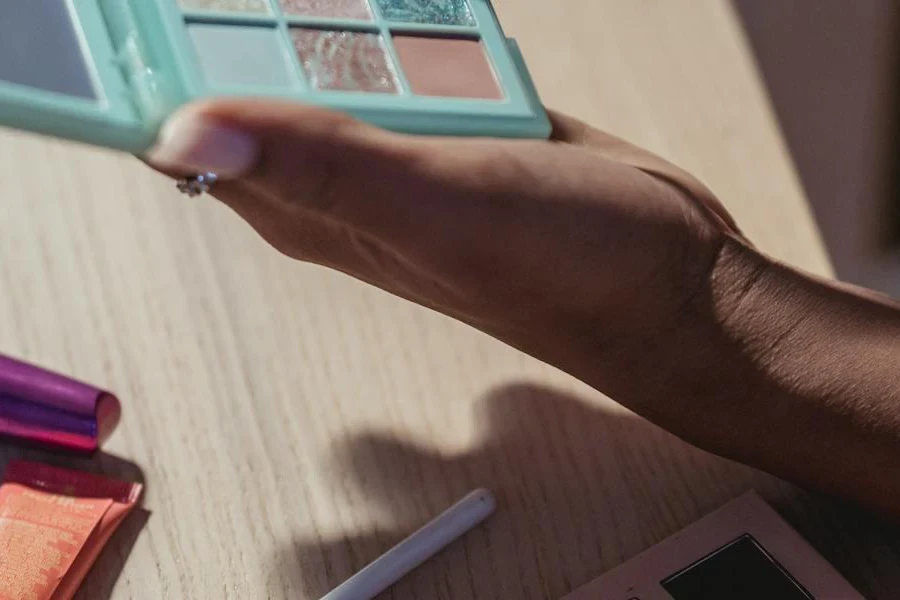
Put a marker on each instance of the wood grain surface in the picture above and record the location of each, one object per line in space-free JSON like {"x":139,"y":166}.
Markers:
{"x":290,"y":424}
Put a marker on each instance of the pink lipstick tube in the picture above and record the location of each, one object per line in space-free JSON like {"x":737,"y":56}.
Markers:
{"x":48,"y":410}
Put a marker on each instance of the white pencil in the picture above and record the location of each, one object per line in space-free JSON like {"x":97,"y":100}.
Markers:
{"x":394,"y":564}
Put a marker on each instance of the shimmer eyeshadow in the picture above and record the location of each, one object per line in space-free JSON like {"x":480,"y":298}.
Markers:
{"x":238,"y":6}
{"x":345,"y":60}
{"x":439,"y":12}
{"x":447,"y":67}
{"x":52,"y":60}
{"x":333,"y":9}
{"x":232,"y":55}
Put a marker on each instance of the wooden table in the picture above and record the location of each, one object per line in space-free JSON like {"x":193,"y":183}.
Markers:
{"x":291,"y":424}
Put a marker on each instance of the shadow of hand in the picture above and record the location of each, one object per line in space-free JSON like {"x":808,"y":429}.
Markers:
{"x":569,"y":479}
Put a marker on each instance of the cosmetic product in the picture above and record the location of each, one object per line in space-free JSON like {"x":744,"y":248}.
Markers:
{"x":433,"y":537}
{"x":53,"y":524}
{"x":743,"y":551}
{"x":109,"y":72}
{"x":52,"y":411}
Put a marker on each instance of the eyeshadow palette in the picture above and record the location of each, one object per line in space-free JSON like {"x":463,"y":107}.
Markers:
{"x":109,"y":72}
{"x":743,"y":551}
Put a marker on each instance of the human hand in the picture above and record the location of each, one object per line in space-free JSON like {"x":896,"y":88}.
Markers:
{"x":590,"y":254}
{"x":579,"y":250}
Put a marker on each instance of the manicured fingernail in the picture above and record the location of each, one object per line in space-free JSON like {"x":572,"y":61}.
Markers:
{"x":191,"y":142}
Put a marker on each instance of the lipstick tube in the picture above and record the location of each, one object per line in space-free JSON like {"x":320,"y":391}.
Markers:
{"x":48,"y":410}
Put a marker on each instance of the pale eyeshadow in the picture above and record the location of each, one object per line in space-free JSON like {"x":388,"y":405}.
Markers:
{"x":447,"y":67}
{"x":40,"y":48}
{"x":246,"y":6}
{"x":241,"y":56}
{"x":337,"y":9}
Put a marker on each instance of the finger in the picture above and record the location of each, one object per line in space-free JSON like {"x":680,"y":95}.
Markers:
{"x":330,"y":165}
{"x":284,"y":152}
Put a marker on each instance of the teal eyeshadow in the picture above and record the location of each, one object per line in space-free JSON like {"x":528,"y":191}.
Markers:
{"x":53,"y":60}
{"x":440,"y":12}
{"x":240,"y":55}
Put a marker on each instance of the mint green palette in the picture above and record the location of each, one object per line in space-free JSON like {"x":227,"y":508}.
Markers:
{"x":109,"y":72}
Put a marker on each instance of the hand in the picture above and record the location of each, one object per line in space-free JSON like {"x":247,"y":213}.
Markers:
{"x":590,"y":254}
{"x":583,"y":246}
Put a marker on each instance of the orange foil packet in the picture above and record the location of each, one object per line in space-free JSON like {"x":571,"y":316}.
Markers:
{"x":53,"y":524}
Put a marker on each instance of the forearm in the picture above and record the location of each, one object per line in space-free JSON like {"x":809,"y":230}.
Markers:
{"x":766,"y":366}
{"x":792,"y":375}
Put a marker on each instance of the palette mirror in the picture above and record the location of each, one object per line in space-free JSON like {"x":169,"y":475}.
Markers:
{"x":54,"y":61}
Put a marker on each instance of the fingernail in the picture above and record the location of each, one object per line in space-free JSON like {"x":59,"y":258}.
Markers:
{"x":191,"y":142}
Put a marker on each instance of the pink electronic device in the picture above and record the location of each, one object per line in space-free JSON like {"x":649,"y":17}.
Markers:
{"x":743,"y":551}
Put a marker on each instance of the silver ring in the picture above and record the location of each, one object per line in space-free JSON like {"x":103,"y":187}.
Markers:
{"x":198,"y":184}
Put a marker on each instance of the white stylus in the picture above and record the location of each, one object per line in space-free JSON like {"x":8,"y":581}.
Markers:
{"x":393,"y":565}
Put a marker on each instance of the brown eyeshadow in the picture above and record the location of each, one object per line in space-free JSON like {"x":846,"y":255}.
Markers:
{"x":447,"y":67}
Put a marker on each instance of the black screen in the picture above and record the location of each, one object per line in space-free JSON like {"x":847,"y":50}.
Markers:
{"x":740,"y":570}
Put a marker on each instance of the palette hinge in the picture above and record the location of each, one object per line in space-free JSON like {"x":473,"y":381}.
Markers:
{"x":143,"y":79}
{"x":133,"y":60}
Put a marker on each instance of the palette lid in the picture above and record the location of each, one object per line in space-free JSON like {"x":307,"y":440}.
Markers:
{"x":78,"y":70}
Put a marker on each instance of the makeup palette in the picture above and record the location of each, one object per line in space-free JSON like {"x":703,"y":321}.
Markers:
{"x":743,"y":551}
{"x":109,"y":72}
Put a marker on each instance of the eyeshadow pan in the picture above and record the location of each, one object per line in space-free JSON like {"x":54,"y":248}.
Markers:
{"x":334,"y":9}
{"x":234,"y":55}
{"x":53,"y":60}
{"x":447,"y":67}
{"x":439,"y":12}
{"x":345,"y":60}
{"x":246,"y":6}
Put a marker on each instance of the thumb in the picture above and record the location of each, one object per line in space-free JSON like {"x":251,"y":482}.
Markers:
{"x":307,"y":158}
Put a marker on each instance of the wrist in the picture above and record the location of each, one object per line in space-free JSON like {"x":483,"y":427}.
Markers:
{"x":700,"y":371}
{"x":788,"y":373}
